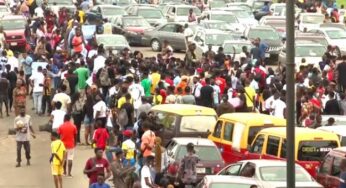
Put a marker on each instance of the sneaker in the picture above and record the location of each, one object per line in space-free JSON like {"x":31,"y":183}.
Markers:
{"x":18,"y":165}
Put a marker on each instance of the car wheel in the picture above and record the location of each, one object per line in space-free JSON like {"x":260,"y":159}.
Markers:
{"x":155,"y":45}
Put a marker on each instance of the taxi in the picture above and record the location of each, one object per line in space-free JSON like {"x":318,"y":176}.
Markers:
{"x":310,"y":146}
{"x":234,"y":132}
{"x":183,"y":120}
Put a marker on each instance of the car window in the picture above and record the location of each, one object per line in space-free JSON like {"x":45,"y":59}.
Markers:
{"x":198,"y":37}
{"x":315,"y":150}
{"x":326,"y":165}
{"x":167,"y":120}
{"x":217,"y":130}
{"x":258,"y":144}
{"x":273,"y":145}
{"x":336,"y":166}
{"x":168,"y":28}
{"x":283,"y":149}
{"x":171,"y":149}
{"x":228,"y":131}
{"x":232,"y":170}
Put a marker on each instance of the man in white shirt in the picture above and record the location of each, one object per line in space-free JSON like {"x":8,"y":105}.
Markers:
{"x":278,"y":106}
{"x":39,"y":12}
{"x":13,"y":61}
{"x":63,"y":98}
{"x":99,"y":61}
{"x":188,"y":34}
{"x":100,"y":110}
{"x":146,"y":175}
{"x":57,"y":116}
{"x":137,"y":92}
{"x":37,"y":84}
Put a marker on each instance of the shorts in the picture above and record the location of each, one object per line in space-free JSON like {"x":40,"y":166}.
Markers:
{"x":87,"y":121}
{"x":57,"y":170}
{"x":70,"y":154}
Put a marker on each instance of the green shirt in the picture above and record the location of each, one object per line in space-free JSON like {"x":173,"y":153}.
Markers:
{"x":146,"y":85}
{"x":83,"y":75}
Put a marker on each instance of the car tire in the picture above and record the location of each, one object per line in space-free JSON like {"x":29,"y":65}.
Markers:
{"x":155,"y":45}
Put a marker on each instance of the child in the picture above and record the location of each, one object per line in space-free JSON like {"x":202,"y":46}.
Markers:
{"x":101,"y":136}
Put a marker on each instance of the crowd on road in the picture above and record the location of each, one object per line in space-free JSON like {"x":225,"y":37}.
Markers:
{"x":110,"y":96}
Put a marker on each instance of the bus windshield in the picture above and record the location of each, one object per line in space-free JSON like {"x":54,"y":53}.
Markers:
{"x":315,"y":150}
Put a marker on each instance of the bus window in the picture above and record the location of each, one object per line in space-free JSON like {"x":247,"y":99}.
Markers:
{"x":258,"y":145}
{"x":315,"y":150}
{"x":273,"y":145}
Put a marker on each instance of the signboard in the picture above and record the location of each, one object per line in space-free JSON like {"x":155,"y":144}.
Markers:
{"x":35,"y":65}
{"x":88,"y":31}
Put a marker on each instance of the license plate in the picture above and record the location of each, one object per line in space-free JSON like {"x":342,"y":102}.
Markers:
{"x":200,"y":170}
{"x":13,"y":44}
{"x":267,"y":55}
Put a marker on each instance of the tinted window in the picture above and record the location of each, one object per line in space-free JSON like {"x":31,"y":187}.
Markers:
{"x":314,"y":150}
{"x":273,"y":145}
{"x":228,"y":132}
{"x":217,"y":130}
{"x":253,"y":132}
{"x":205,"y":153}
{"x":283,"y":149}
{"x":258,"y":144}
{"x":168,"y":28}
{"x":232,"y":170}
{"x":343,"y":141}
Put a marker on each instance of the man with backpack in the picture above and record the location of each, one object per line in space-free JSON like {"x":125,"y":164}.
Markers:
{"x":97,"y":165}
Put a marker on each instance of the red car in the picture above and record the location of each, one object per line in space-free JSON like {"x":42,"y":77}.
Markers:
{"x":14,"y":30}
{"x":329,"y":172}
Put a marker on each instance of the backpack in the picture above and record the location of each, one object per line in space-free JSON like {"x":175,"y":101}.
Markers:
{"x":67,"y":84}
{"x":123,"y":118}
{"x":104,"y":77}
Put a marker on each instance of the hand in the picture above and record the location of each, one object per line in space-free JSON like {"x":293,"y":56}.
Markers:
{"x":33,"y":136}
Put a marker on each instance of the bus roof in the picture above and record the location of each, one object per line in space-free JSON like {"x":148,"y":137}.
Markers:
{"x":301,"y":132}
{"x":184,"y":109}
{"x":254,"y":119}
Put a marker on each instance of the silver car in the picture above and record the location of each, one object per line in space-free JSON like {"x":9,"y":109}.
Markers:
{"x":152,"y":14}
{"x":112,"y":42}
{"x":234,"y":48}
{"x":179,"y":13}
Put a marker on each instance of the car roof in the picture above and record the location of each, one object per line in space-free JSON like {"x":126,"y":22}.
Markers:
{"x":184,"y":109}
{"x":212,"y":21}
{"x":307,"y":43}
{"x":337,"y":129}
{"x":311,"y":13}
{"x":130,"y":16}
{"x":306,"y":133}
{"x":181,"y":5}
{"x":147,"y":7}
{"x":274,"y":18}
{"x":219,"y":12}
{"x":237,"y":42}
{"x":230,"y":179}
{"x":255,"y":119}
{"x":329,"y":29}
{"x":109,"y":35}
{"x":195,"y":141}
{"x":229,"y":8}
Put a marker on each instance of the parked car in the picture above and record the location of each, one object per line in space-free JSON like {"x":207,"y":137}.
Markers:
{"x":267,"y":35}
{"x":310,"y":51}
{"x":225,"y":16}
{"x":179,"y":13}
{"x":153,"y":15}
{"x":170,"y":32}
{"x":181,"y":120}
{"x":329,"y":172}
{"x":205,"y":37}
{"x":14,"y":30}
{"x":318,"y":38}
{"x":309,"y":21}
{"x":132,"y":27}
{"x":339,"y":119}
{"x":270,"y":173}
{"x":311,"y":146}
{"x":210,"y":160}
{"x":56,"y":5}
{"x":335,"y":36}
{"x":276,"y":9}
{"x":107,"y":11}
{"x":234,"y":132}
{"x":212,"y":181}
{"x":278,"y":25}
{"x":266,"y":19}
{"x":234,"y":47}
{"x":123,"y":3}
{"x":4,"y":10}
{"x":242,"y":5}
{"x":244,"y":17}
{"x":112,"y":42}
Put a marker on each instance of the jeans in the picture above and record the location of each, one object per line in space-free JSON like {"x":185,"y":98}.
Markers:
{"x":37,"y":101}
{"x":46,"y":102}
{"x":26,"y":145}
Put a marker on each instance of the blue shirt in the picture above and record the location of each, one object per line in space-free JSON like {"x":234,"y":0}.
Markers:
{"x":262,"y":49}
{"x":27,"y":65}
{"x":97,"y":185}
{"x":265,"y":8}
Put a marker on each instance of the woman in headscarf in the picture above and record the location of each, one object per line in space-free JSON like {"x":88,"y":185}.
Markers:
{"x":19,"y":96}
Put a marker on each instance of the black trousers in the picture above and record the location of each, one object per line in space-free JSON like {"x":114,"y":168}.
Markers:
{"x":77,"y":120}
{"x":26,"y":145}
{"x":46,"y":102}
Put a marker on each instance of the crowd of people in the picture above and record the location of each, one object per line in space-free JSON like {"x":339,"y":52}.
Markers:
{"x":111,"y":96}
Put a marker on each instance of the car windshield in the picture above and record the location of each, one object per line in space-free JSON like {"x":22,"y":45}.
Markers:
{"x":13,"y":24}
{"x":217,"y":4}
{"x":184,"y":11}
{"x":230,"y":47}
{"x":150,"y":13}
{"x":313,"y":19}
{"x":217,"y":39}
{"x":225,"y":17}
{"x":315,"y":150}
{"x":309,"y":51}
{"x":336,"y":34}
{"x":135,"y":22}
{"x":278,"y":173}
{"x":197,"y":123}
{"x":205,"y":153}
{"x":228,"y":185}
{"x":110,"y":11}
{"x":278,"y":9}
{"x":263,"y":34}
{"x":241,"y":14}
{"x":111,"y":40}
{"x":258,"y":5}
{"x":223,"y":26}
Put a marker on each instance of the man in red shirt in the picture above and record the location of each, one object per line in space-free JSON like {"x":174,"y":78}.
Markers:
{"x":68,"y":133}
{"x":97,"y":165}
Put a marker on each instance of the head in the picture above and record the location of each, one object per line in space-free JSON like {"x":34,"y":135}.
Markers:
{"x":146,"y":125}
{"x":98,"y":153}
{"x":190,"y":11}
{"x":22,"y":111}
{"x":58,"y":105}
{"x":190,"y":148}
{"x":150,"y":160}
{"x":19,"y":83}
{"x":331,"y":121}
{"x":119,"y":154}
{"x":54,"y":136}
{"x":67,"y":117}
{"x":100,"y":178}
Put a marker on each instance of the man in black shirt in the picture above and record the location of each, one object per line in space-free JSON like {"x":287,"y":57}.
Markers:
{"x":341,"y":76}
{"x":206,"y":97}
{"x":128,"y":107}
{"x":332,"y":105}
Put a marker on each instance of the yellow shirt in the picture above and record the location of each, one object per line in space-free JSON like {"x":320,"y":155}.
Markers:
{"x":58,"y":147}
{"x":155,"y":79}
{"x":9,"y":53}
{"x":129,"y":146}
{"x":81,"y":15}
{"x":122,"y":101}
{"x":250,"y":93}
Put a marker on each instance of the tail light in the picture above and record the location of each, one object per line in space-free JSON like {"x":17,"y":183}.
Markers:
{"x":216,"y":169}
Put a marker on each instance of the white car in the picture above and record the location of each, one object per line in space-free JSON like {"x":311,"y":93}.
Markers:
{"x":179,"y":13}
{"x":277,"y":8}
{"x":312,"y":52}
{"x":234,"y":47}
{"x":335,"y":37}
{"x":206,"y":37}
{"x":225,"y":16}
{"x":270,"y":173}
{"x":113,"y":42}
{"x":227,"y":181}
{"x":339,"y":130}
{"x":308,"y":21}
{"x":248,"y":19}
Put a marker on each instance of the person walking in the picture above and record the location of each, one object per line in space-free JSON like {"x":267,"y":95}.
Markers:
{"x":23,"y":127}
{"x":121,"y":173}
{"x":37,"y":84}
{"x":187,"y":171}
{"x":97,"y":165}
{"x":68,"y":133}
{"x":147,"y":180}
{"x":47,"y":93}
{"x":57,"y":159}
{"x":5,"y":86}
{"x":19,"y":96}
{"x":78,"y":112}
